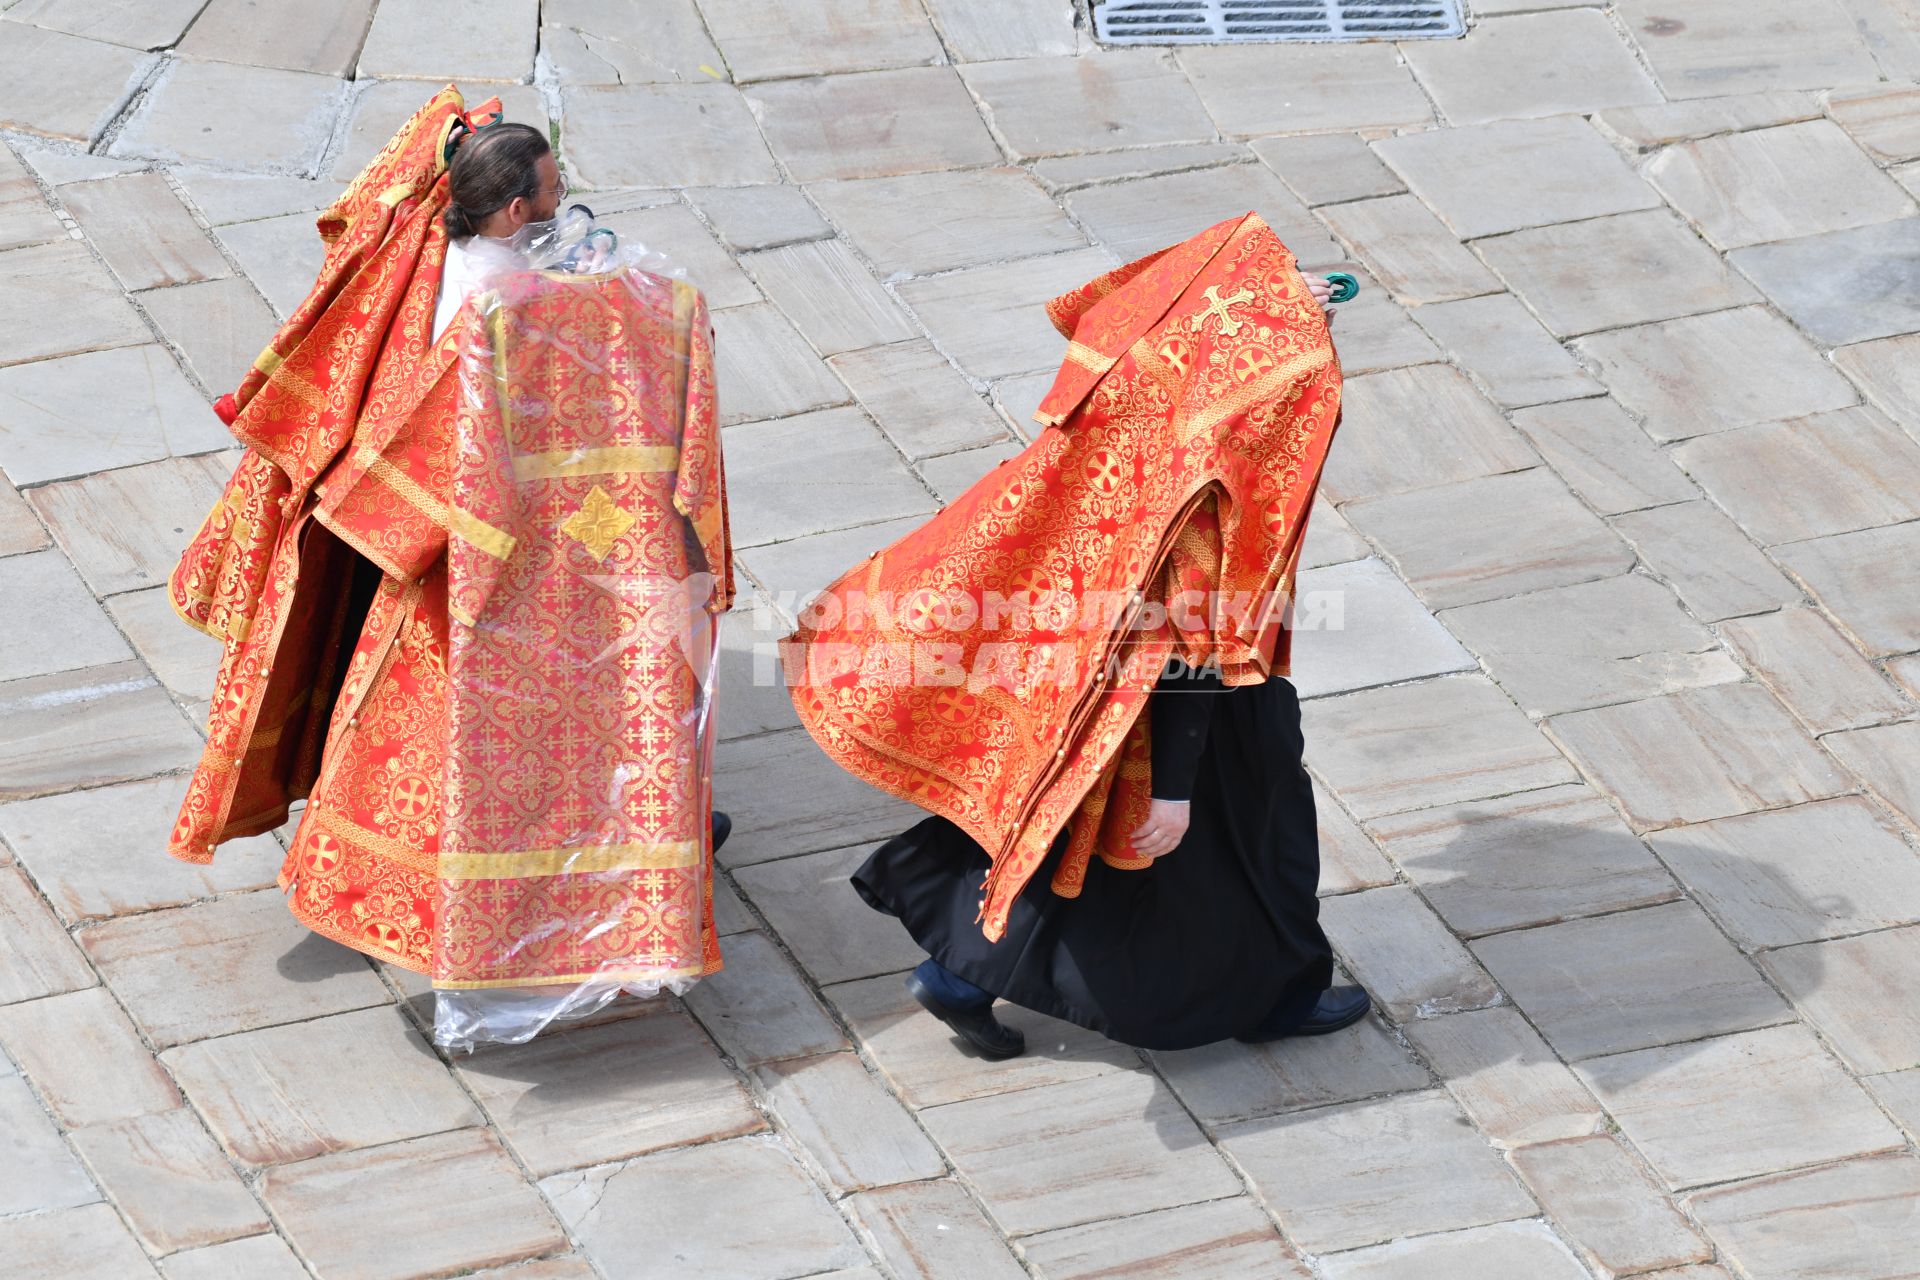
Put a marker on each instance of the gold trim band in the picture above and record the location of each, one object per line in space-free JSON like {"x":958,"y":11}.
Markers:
{"x":555,"y":464}
{"x":668,"y":855}
{"x":477,"y":533}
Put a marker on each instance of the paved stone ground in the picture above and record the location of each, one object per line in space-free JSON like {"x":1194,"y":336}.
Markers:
{"x":1618,"y":747}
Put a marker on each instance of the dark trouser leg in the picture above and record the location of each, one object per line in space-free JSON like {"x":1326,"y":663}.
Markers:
{"x":951,"y":989}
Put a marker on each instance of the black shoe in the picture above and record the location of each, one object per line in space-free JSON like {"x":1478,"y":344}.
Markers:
{"x":992,"y":1037}
{"x":1337,"y":1008}
{"x":722,"y":828}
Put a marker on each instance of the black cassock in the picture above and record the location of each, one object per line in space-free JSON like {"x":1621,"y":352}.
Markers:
{"x":1201,"y":946}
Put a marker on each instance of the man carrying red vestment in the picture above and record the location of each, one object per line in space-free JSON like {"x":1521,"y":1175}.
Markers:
{"x":1078,"y":666}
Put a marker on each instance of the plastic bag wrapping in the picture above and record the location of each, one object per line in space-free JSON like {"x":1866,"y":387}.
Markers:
{"x":588,"y":562}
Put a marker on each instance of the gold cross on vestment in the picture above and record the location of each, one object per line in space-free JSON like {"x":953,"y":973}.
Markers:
{"x":1217,"y":309}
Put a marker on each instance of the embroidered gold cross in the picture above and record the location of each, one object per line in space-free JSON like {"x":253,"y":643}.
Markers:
{"x":598,"y":523}
{"x":1217,"y":309}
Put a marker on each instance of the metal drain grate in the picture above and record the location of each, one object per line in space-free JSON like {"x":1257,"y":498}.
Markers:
{"x":1258,"y":21}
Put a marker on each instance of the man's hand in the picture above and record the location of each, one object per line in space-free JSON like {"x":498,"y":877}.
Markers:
{"x":1165,"y":825}
{"x":1321,"y":289}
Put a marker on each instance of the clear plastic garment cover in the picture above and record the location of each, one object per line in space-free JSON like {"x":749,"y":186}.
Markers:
{"x":588,"y":564}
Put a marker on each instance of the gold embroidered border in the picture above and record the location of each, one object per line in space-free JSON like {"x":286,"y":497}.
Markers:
{"x":480,"y":535}
{"x":554,"y":464}
{"x":341,"y":827}
{"x":1298,"y":368}
{"x":267,"y":361}
{"x":406,"y":486}
{"x":1088,"y":357}
{"x":666,"y":855}
{"x":590,"y":975}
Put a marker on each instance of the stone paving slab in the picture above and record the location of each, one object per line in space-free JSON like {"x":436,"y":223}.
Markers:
{"x":1328,"y":168}
{"x":814,"y":472}
{"x":848,"y":1123}
{"x":89,"y":637}
{"x":1704,"y":557}
{"x":483,"y":1212}
{"x":41,"y":1174}
{"x":1465,"y":437}
{"x":832,"y":932}
{"x":275,"y":1096}
{"x":607,"y":42}
{"x":1403,"y":955}
{"x":86,"y":1059}
{"x":55,"y":300}
{"x":677,"y":1215}
{"x":99,"y":411}
{"x":1845,"y":1219}
{"x":1517,"y":360}
{"x":861,"y":126}
{"x":1503,"y":1251}
{"x":1396,"y":1166}
{"x":1230,"y":1081}
{"x":1617,"y":1216}
{"x":63,"y":86}
{"x":264,"y":1257}
{"x":609,"y":1092}
{"x":186,"y":661}
{"x":1813,"y":670}
{"x":1842,"y":987}
{"x":87,"y":1243}
{"x":1372,"y":747}
{"x":833,"y":300}
{"x":78,"y":847}
{"x":186,"y":118}
{"x":1776,"y":184}
{"x":1220,"y":1240}
{"x":1516,"y":861}
{"x":1856,"y":471}
{"x":1609,"y":272}
{"x":171,"y":496}
{"x":1409,"y":250}
{"x":1720,"y":48}
{"x":996,"y":214}
{"x":1448,"y":562}
{"x":137,"y":24}
{"x":1515,"y":68}
{"x":919,"y":401}
{"x":233,"y":964}
{"x":759,"y":1008}
{"x":1282,"y":89}
{"x":1686,"y":980}
{"x":1119,"y":98}
{"x":1357,"y":626}
{"x":1871,"y":295}
{"x":1851,"y":574}
{"x":1738,"y":1106}
{"x":923,"y":1062}
{"x":1136,"y":217}
{"x":143,"y":231}
{"x":696,"y":135}
{"x":411,"y":39}
{"x":1593,"y":643}
{"x":173,"y":1184}
{"x":24,"y":216}
{"x":1505,"y":1077}
{"x":1797,"y":874}
{"x":1061,"y":1155}
{"x":89,"y":727}
{"x":281,"y":256}
{"x":926,"y":1230}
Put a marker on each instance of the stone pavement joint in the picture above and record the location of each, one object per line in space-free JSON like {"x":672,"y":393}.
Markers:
{"x":1613,"y":760}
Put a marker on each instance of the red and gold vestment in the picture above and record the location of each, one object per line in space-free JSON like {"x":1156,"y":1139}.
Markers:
{"x":992,"y":665}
